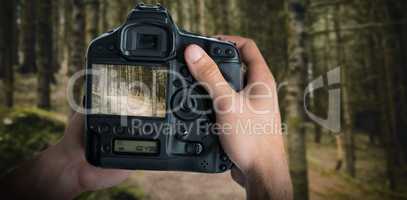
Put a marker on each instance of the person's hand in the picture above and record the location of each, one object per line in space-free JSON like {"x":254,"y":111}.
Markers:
{"x":249,"y":121}
{"x":61,"y":171}
{"x":79,"y":174}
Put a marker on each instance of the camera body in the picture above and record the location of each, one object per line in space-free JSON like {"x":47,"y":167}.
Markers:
{"x":144,"y":110}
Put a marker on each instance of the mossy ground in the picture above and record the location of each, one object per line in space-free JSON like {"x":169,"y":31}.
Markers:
{"x":24,"y":132}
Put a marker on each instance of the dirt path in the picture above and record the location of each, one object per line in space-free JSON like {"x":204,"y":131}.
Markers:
{"x":325,"y":182}
{"x":187,"y":186}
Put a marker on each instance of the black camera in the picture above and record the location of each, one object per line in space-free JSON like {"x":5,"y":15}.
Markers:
{"x":144,"y":110}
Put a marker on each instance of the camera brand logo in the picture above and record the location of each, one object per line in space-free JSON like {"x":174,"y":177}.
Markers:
{"x":333,"y":121}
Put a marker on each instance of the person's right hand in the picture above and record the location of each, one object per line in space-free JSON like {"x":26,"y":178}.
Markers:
{"x":249,"y":120}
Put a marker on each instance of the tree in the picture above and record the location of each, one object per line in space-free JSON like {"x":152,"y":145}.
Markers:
{"x":399,"y":14}
{"x":57,"y":38}
{"x":388,"y":46}
{"x":180,"y":14}
{"x":45,"y":54}
{"x":93,"y":19}
{"x":8,"y":48}
{"x":104,"y":4}
{"x":67,"y":30}
{"x":272,"y":43}
{"x":29,"y":36}
{"x":293,"y":100}
{"x":78,"y":38}
{"x":347,"y":116}
{"x":121,"y":10}
{"x":199,"y":23}
{"x":220,"y":16}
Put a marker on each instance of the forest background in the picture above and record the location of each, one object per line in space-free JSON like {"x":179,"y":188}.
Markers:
{"x":43,"y":42}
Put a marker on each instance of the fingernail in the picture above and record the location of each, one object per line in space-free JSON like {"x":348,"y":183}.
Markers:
{"x":194,"y":53}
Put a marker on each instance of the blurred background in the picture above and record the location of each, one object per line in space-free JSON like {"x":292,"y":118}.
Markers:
{"x":43,"y":42}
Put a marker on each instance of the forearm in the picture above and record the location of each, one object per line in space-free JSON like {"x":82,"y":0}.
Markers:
{"x":48,"y":176}
{"x":269,"y":177}
{"x":263,"y":185}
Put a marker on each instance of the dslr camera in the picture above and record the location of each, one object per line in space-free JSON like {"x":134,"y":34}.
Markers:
{"x":144,"y":110}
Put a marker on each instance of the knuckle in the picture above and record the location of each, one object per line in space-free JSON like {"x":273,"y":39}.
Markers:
{"x":222,"y":104}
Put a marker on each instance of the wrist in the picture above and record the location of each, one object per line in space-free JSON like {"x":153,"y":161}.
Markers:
{"x":260,"y":158}
{"x":268,"y":174}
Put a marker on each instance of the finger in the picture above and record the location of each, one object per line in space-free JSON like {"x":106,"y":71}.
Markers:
{"x":94,"y":178}
{"x":258,"y":69}
{"x":205,"y":70}
{"x":75,"y":129}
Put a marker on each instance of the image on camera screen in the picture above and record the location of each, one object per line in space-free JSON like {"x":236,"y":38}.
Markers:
{"x":129,"y":90}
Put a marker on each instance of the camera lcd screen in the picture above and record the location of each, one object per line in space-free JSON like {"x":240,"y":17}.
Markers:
{"x":129,"y":90}
{"x":136,"y":146}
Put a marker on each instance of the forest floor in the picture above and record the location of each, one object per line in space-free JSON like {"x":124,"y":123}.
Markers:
{"x":325,"y":181}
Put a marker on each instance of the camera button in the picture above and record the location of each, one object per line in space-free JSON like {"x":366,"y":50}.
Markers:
{"x":224,"y":157}
{"x":93,"y":128}
{"x":104,"y":128}
{"x":177,"y":83}
{"x":230,"y":53}
{"x":193,"y":148}
{"x":223,"y":167}
{"x":106,"y":148}
{"x":182,"y":131}
{"x":185,"y":72}
{"x":118,"y":130}
{"x":217,"y":51}
{"x":185,"y":106}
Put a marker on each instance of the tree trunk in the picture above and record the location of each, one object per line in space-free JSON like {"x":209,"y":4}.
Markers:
{"x":181,"y":14}
{"x":94,"y":18}
{"x":339,"y":152}
{"x":295,"y":116}
{"x":225,"y":19}
{"x":104,"y":25}
{"x":375,"y":45}
{"x":347,"y":128}
{"x":45,"y":54}
{"x":396,"y":12}
{"x":220,"y":16}
{"x":188,"y":15}
{"x":121,"y":10}
{"x":390,"y":138}
{"x":313,"y":65}
{"x":67,"y":33}
{"x":77,"y":56}
{"x":28,"y":24}
{"x":199,"y":22}
{"x":58,"y":54}
{"x":8,"y":48}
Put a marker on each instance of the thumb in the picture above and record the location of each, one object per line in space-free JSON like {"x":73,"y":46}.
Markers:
{"x":207,"y":72}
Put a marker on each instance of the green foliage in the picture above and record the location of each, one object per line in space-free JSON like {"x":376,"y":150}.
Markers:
{"x":116,"y":193}
{"x":24,"y":132}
